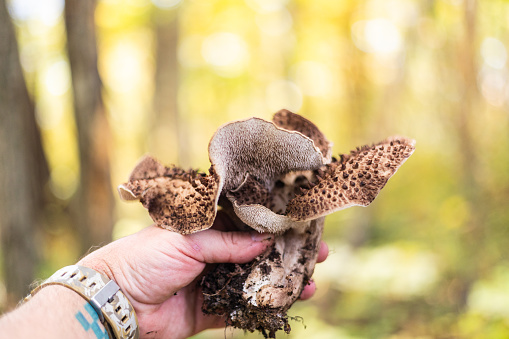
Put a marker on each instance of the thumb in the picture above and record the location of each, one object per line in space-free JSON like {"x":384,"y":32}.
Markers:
{"x":213,"y":247}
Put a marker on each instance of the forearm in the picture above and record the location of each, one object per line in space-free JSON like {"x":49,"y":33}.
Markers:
{"x":54,"y":312}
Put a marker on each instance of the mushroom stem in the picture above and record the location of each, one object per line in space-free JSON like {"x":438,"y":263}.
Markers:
{"x":278,"y":280}
{"x":257,"y":295}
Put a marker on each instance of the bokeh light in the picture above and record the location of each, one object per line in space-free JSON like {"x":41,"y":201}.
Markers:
{"x":58,"y":78}
{"x":264,"y":6}
{"x":396,"y":271}
{"x":275,"y":23}
{"x":124,"y":72}
{"x":166,"y":4}
{"x":226,"y":52}
{"x":376,"y":36}
{"x":494,"y":53}
{"x":283,"y":94}
{"x":494,"y":85}
{"x":313,"y":78}
{"x":47,"y":12}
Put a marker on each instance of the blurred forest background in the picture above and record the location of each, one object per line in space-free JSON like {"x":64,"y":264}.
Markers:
{"x":86,"y":88}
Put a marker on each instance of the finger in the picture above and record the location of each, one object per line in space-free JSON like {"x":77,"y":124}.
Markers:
{"x":323,"y":252}
{"x":308,"y":290}
{"x":213,"y":246}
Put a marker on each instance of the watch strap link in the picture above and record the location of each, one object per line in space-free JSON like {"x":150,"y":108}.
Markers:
{"x":112,"y":306}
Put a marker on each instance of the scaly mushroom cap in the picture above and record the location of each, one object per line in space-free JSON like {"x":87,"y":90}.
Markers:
{"x":180,"y":201}
{"x":294,"y":122}
{"x":186,"y":201}
{"x":256,"y":164}
{"x":354,"y":180}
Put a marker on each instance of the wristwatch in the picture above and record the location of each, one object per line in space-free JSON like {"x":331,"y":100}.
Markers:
{"x":104,"y":295}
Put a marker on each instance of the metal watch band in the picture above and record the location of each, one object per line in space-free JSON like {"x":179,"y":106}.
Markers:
{"x":111,"y":305}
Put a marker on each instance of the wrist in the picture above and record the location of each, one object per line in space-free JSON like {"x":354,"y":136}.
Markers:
{"x":98,"y":264}
{"x":104,"y":300}
{"x":103,"y":262}
{"x":55,"y":312}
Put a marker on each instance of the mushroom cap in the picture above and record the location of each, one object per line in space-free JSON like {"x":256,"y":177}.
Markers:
{"x":186,"y":201}
{"x":252,"y":154}
{"x":262,"y":149}
{"x":178,"y":200}
{"x":249,"y":158}
{"x":354,"y":180}
{"x":294,"y":122}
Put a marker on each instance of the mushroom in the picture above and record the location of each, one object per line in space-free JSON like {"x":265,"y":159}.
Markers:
{"x":277,"y":177}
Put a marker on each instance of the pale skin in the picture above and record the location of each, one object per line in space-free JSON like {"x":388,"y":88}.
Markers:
{"x":157,"y":270}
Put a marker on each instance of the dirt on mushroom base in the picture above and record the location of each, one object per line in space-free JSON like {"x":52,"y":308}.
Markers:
{"x":223,"y":290}
{"x":224,"y":287}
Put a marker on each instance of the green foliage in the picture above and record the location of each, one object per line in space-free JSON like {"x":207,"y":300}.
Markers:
{"x":428,"y":258}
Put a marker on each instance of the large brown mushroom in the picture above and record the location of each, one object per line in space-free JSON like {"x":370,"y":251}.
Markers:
{"x":277,"y":177}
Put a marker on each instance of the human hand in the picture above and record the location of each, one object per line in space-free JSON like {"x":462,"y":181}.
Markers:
{"x":157,"y":270}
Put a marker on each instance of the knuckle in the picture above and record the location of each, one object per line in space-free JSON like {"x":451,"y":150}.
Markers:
{"x":229,"y":239}
{"x":230,"y":242}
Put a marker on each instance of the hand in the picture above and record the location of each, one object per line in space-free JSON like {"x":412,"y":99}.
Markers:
{"x":157,"y":270}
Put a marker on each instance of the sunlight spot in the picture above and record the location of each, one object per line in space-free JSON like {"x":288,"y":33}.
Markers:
{"x":493,"y":85}
{"x":456,"y":2}
{"x":398,"y":270}
{"x":403,"y":13}
{"x":490,"y":296}
{"x":49,"y":113}
{"x":226,"y":52}
{"x":313,"y":78}
{"x":494,"y":53}
{"x":274,"y":23}
{"x":57,"y":78}
{"x":123,"y":67}
{"x":166,"y":4}
{"x":64,"y":181}
{"x":376,"y":36}
{"x":384,"y":69}
{"x":264,"y":6}
{"x":29,"y":56}
{"x":46,"y":11}
{"x":283,"y":94}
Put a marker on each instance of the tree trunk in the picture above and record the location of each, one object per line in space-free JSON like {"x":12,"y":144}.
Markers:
{"x":93,"y":209}
{"x":167,"y":125}
{"x":473,"y":238}
{"x":23,"y":169}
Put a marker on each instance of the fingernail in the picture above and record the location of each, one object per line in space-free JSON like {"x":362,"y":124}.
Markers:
{"x":261,"y":236}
